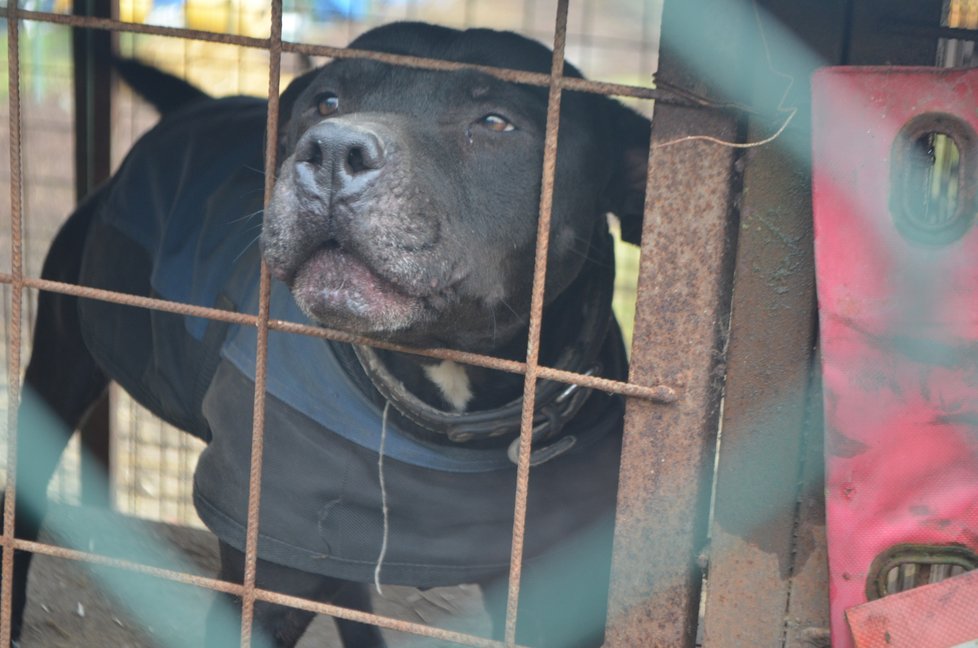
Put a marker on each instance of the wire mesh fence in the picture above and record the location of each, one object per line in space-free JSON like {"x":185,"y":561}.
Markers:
{"x":228,"y":47}
{"x":151,"y":461}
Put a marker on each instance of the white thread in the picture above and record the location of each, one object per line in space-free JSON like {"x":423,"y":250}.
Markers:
{"x":782,"y":108}
{"x":383,"y":499}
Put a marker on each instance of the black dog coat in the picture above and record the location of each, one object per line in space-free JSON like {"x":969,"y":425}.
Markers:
{"x":193,"y":237}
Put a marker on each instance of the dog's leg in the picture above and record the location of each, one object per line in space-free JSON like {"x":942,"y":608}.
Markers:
{"x":282,"y":626}
{"x":355,"y":596}
{"x":61,"y":385}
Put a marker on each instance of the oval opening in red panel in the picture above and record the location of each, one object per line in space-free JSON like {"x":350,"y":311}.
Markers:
{"x":932,"y":178}
{"x":906,"y":566}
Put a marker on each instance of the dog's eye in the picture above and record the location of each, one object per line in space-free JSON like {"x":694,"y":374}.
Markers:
{"x":497,"y":123}
{"x":327,"y":103}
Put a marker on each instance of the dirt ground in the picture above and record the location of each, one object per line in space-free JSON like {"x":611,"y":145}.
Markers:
{"x":70,"y":605}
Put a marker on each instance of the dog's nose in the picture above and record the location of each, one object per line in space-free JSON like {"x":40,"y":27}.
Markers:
{"x":342,"y":157}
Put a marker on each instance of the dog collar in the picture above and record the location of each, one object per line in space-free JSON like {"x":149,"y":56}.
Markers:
{"x":556,"y":405}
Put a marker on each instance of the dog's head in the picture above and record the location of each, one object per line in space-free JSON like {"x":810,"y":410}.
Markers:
{"x":407,"y":200}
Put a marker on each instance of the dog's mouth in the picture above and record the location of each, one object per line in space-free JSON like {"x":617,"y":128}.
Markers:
{"x":337,"y":288}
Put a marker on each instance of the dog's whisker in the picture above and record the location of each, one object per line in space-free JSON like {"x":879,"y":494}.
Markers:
{"x":591,"y":259}
{"x":247,"y":247}
{"x":511,"y":309}
{"x":586,"y":253}
{"x":246,"y":217}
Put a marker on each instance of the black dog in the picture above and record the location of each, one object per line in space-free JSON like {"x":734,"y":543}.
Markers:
{"x":405,"y":209}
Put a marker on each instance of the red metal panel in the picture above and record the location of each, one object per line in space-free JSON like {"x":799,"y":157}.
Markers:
{"x":898,"y":300}
{"x":942,"y":614}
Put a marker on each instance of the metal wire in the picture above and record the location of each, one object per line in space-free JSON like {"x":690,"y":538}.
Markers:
{"x":654,"y":393}
{"x":236,"y":589}
{"x":536,"y":318}
{"x":14,"y":329}
{"x":664,"y":95}
{"x":265,"y":292}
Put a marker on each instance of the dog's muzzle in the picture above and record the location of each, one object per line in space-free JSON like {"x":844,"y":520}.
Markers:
{"x":338,"y":159}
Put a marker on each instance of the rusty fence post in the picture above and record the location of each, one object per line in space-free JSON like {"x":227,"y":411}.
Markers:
{"x":681,"y":321}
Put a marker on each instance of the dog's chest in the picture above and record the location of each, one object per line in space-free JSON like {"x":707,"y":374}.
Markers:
{"x":452,"y":381}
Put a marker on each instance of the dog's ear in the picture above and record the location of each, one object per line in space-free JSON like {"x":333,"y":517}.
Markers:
{"x":625,"y":193}
{"x":286,"y":102}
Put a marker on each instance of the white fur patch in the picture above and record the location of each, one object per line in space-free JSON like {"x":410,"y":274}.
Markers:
{"x":453,"y":381}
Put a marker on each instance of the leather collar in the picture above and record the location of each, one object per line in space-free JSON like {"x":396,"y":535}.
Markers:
{"x":556,"y":404}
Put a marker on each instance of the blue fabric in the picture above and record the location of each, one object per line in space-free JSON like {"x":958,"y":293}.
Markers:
{"x":304,"y":372}
{"x":321,"y":501}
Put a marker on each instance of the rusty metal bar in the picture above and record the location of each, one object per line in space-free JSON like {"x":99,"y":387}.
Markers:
{"x":548,"y":173}
{"x":88,"y":557}
{"x":14,"y":325}
{"x":261,"y":356}
{"x":656,"y":393}
{"x":680,"y":326}
{"x":756,"y":541}
{"x":134,"y":300}
{"x":668,"y":452}
{"x":663,"y":95}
